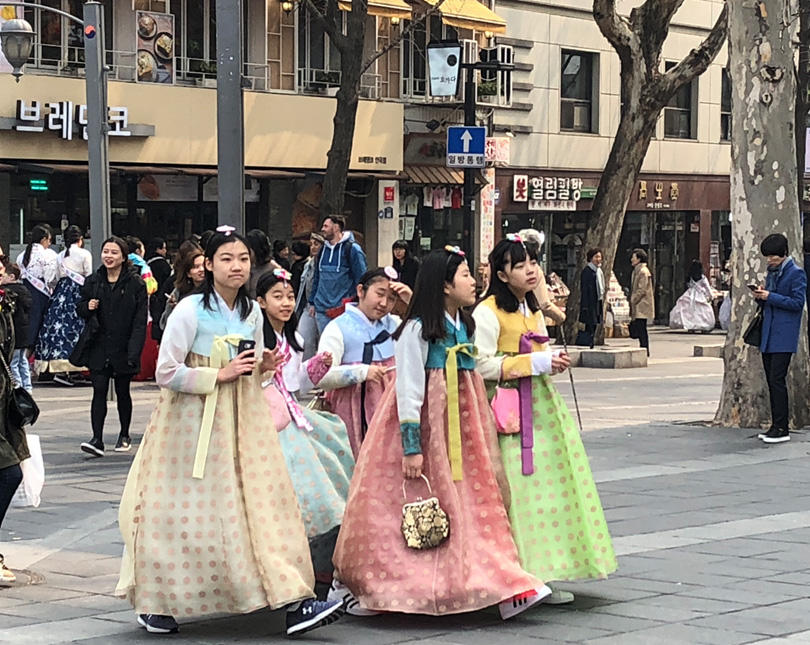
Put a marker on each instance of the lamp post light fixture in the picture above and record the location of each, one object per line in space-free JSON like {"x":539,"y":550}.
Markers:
{"x":17,"y":39}
{"x":395,"y":20}
{"x":287,"y":5}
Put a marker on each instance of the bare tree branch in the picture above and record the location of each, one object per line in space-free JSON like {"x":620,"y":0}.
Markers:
{"x":614,"y":27}
{"x":698,"y":60}
{"x":414,"y":23}
{"x":329,"y":20}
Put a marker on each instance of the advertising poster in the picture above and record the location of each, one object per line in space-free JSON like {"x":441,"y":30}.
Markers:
{"x":155,"y":42}
{"x":6,"y":13}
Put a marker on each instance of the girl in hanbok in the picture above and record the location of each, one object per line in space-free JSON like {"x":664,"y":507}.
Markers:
{"x":62,"y":326}
{"x":39,"y":266}
{"x":315,"y":445}
{"x":362,"y":350}
{"x":694,"y":311}
{"x":209,"y":515}
{"x":555,"y":513}
{"x":435,"y":422}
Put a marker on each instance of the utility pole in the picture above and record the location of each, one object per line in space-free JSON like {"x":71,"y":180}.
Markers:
{"x":469,"y":181}
{"x":230,"y":116}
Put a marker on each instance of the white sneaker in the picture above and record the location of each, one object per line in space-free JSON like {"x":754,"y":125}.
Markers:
{"x":559,"y":597}
{"x":339,"y":591}
{"x":522,"y":601}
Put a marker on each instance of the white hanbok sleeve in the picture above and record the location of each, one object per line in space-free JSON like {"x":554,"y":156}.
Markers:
{"x":87,"y":263}
{"x":172,"y":371}
{"x":50,"y":267}
{"x":338,"y":375}
{"x":411,"y":351}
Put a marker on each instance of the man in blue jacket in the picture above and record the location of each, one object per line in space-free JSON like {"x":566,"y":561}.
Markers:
{"x":782,"y":299}
{"x":338,"y":268}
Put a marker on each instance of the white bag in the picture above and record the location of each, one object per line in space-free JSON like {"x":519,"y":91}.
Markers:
{"x":33,"y":468}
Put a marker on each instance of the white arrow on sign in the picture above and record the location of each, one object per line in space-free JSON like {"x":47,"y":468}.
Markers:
{"x":465,"y":139}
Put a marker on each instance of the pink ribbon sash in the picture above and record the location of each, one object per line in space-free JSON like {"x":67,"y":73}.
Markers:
{"x":526,"y":417}
{"x":296,"y":412}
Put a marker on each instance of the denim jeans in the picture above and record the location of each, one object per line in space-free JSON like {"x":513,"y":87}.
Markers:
{"x":21,"y":370}
{"x":322,"y":320}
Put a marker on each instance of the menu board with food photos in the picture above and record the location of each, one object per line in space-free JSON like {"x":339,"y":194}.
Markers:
{"x":155,"y":39}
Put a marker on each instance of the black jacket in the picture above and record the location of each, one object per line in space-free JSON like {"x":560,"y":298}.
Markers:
{"x":161,"y":269}
{"x":407,"y":270}
{"x":122,"y":320}
{"x":157,"y":305}
{"x":22,"y":308}
{"x":13,"y":446}
{"x":590,"y":308}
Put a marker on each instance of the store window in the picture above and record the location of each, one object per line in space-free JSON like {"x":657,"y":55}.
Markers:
{"x":195,"y":24}
{"x":318,"y":57}
{"x":725,"y":106}
{"x":578,"y":89}
{"x":59,"y":43}
{"x":414,"y":52}
{"x":679,"y":114}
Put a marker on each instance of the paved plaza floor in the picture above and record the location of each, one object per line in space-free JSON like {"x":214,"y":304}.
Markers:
{"x":712,"y":530}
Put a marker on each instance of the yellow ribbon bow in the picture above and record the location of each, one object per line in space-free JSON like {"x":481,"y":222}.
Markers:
{"x":453,"y":420}
{"x":220,"y":356}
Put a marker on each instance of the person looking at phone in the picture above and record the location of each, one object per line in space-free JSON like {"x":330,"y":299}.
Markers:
{"x":782,"y":300}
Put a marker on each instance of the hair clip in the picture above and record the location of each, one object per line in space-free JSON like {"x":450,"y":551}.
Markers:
{"x":514,"y":237}
{"x":282,"y":274}
{"x":225,"y":229}
{"x":391,"y":273}
{"x":455,"y":250}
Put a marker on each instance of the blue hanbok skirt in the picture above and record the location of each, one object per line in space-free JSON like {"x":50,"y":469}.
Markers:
{"x":60,"y":330}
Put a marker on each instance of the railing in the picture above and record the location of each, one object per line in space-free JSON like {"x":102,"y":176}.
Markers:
{"x":318,"y":81}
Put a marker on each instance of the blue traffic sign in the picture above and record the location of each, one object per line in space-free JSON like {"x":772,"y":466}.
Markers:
{"x":466,"y":146}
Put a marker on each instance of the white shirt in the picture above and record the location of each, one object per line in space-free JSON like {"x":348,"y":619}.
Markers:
{"x":79,"y":261}
{"x":43,"y":264}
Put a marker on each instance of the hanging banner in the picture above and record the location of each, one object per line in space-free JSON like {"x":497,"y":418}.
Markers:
{"x":155,"y":40}
{"x":444,"y":66}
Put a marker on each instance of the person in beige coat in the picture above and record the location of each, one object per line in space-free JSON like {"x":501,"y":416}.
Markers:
{"x":642,"y":302}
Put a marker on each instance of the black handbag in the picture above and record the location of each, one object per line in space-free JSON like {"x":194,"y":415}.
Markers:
{"x":80,"y":356}
{"x":753,"y":333}
{"x":21,"y":409}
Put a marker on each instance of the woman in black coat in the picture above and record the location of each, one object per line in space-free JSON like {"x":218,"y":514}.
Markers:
{"x":116,"y":296}
{"x":406,"y":265}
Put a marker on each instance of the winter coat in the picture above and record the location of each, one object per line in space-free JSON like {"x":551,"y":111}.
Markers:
{"x":642,"y":300}
{"x":407,"y":270}
{"x":338,"y":269}
{"x":782,"y":311}
{"x":22,"y":307}
{"x":122,"y":320}
{"x":13,"y":446}
{"x":590,"y":308}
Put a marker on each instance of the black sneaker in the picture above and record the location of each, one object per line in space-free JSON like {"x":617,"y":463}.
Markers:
{"x":157,"y":624}
{"x":312,"y":614}
{"x":775,"y":435}
{"x":63,"y":379}
{"x":94,"y":447}
{"x":123,"y":444}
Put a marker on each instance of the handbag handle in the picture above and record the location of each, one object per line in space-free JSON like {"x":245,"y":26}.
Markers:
{"x":405,"y":494}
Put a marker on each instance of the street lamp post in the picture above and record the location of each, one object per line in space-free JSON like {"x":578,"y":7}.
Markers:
{"x":16,"y":39}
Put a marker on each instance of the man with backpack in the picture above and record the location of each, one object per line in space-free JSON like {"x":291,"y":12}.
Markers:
{"x":338,"y":268}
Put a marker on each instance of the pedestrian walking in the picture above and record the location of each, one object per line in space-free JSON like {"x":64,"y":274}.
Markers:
{"x":693,"y":311}
{"x":262,"y":258}
{"x":156,"y":257}
{"x":39,"y":265}
{"x":338,"y":268}
{"x":418,"y":430}
{"x":642,"y":300}
{"x":281,"y":254}
{"x":362,"y":350}
{"x":207,"y":446}
{"x":537,"y":435}
{"x":13,"y":445}
{"x":782,"y":300}
{"x":62,"y":326}
{"x":189,"y":276}
{"x":20,"y":367}
{"x":307,"y":326}
{"x":115,"y":296}
{"x":315,"y":444}
{"x":300,"y":255}
{"x":807,"y":277}
{"x":406,"y":265}
{"x":592,"y":298}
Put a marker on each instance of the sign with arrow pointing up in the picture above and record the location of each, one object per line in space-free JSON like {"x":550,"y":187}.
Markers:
{"x":466,"y":146}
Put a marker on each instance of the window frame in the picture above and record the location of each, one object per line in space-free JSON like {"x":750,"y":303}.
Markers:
{"x":725,"y":115}
{"x":691,"y":112}
{"x":592,"y":102}
{"x":406,"y":59}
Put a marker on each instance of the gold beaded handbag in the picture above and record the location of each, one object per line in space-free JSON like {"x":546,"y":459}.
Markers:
{"x":425,"y":525}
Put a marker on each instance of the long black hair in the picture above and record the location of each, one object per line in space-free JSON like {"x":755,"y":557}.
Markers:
{"x":427,"y":303}
{"x":259,"y":243}
{"x":266,"y":282}
{"x":37,"y":234}
{"x":121,"y":243}
{"x":508,"y":252}
{"x":242,"y":298}
{"x":72,"y":235}
{"x":696,"y":271}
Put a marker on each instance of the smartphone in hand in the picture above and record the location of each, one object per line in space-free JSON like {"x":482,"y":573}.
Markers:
{"x":245,"y":346}
{"x":753,"y":287}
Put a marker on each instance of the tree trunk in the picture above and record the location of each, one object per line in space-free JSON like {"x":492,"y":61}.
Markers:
{"x":763,"y":197}
{"x":607,"y":213}
{"x":802,"y":91}
{"x":340,"y":151}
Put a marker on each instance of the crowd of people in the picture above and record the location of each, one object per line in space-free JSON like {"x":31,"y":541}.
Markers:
{"x":429,"y":393}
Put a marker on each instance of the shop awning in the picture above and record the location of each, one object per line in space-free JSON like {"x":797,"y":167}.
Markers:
{"x":470,"y":14}
{"x":385,"y":8}
{"x":439,"y":176}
